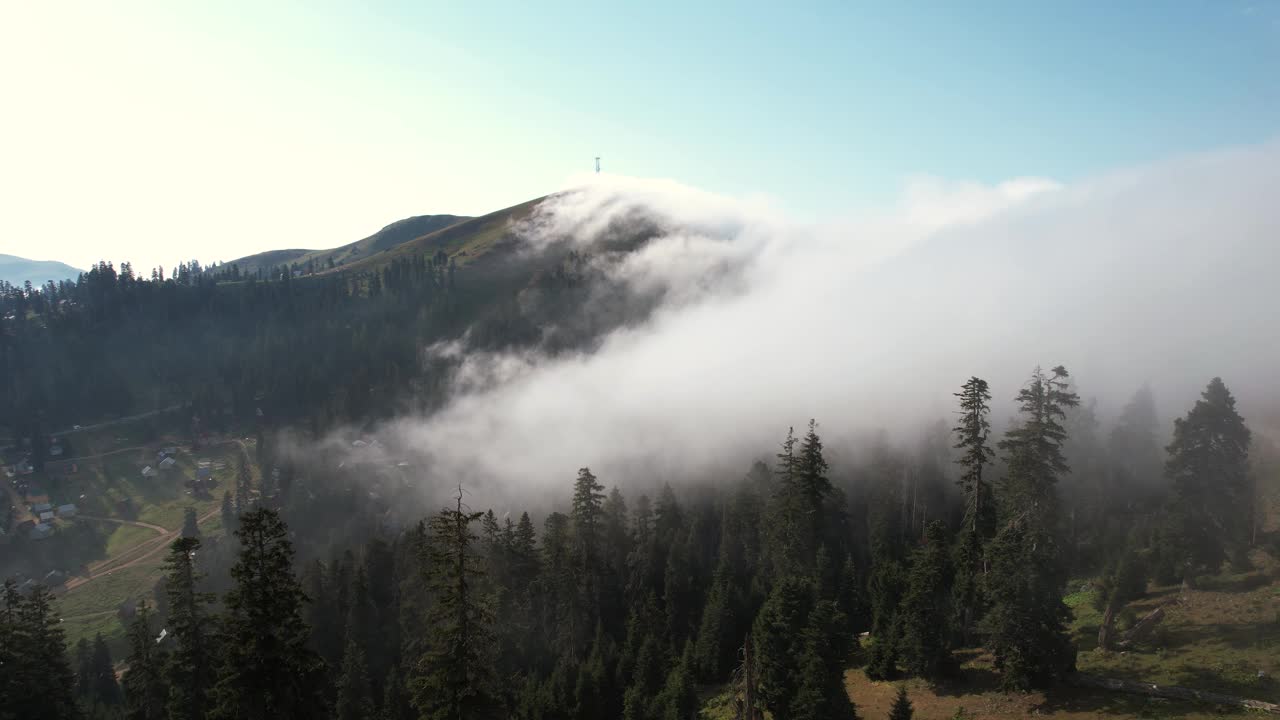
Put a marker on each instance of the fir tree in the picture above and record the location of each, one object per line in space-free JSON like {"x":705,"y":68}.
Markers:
{"x":145,"y":693}
{"x":42,"y":649}
{"x":971,"y":434}
{"x":926,"y":612}
{"x":780,"y":643}
{"x":901,"y":709}
{"x":1209,"y":467}
{"x":104,"y":689}
{"x":189,"y":670}
{"x":190,"y":524}
{"x":355,"y":700}
{"x":454,"y":678}
{"x":244,"y":479}
{"x":821,"y":694}
{"x":1027,"y":619}
{"x":268,"y":669}
{"x":229,"y":514}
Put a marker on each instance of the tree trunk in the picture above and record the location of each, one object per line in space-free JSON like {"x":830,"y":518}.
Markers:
{"x":1170,"y":691}
{"x":1108,"y":621}
{"x":1142,"y":628}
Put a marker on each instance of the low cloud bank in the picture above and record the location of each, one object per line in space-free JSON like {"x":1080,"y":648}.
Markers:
{"x":1164,"y":274}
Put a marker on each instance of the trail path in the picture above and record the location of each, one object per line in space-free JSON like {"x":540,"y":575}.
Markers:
{"x":133,"y":556}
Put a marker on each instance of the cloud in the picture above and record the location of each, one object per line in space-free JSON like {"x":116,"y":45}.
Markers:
{"x":1164,"y":273}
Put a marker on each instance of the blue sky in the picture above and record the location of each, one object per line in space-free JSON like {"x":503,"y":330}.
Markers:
{"x":247,"y":126}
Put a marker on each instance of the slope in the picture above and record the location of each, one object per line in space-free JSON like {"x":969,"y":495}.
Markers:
{"x":17,"y":270}
{"x":388,"y":237}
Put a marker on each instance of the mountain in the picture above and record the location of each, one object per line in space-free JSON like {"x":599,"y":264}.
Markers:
{"x":388,"y":237}
{"x":16,"y":270}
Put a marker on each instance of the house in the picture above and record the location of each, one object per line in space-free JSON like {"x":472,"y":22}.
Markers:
{"x":203,"y":470}
{"x":54,"y":578}
{"x":46,"y":516}
{"x":55,"y":450}
{"x":148,"y":471}
{"x":66,"y":512}
{"x":41,"y":531}
{"x":41,"y":508}
{"x":167,"y":463}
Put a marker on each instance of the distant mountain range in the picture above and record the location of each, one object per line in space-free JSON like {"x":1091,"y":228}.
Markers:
{"x":17,"y":270}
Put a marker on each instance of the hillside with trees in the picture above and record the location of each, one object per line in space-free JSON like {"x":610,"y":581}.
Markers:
{"x":969,"y":560}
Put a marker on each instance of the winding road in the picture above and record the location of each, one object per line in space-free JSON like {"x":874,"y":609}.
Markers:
{"x":134,"y":555}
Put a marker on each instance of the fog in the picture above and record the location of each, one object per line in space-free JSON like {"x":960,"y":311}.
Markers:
{"x":1163,"y":274}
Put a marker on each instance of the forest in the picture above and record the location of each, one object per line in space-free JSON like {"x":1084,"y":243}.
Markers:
{"x":771,"y":586}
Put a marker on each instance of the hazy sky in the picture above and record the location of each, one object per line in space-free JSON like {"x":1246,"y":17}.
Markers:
{"x":159,"y":131}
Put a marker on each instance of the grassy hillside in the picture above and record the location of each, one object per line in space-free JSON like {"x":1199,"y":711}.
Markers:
{"x":466,"y":241}
{"x":388,"y":237}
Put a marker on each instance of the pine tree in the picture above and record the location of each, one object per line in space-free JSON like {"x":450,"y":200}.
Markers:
{"x":104,"y":689}
{"x":678,"y":699}
{"x":355,"y":700}
{"x":902,"y":709}
{"x":190,"y":524}
{"x":925,"y":614}
{"x":268,"y":669}
{"x":717,"y":634}
{"x":1034,"y":448}
{"x":1209,"y":467}
{"x":821,"y":694}
{"x":189,"y":670}
{"x":145,"y":693}
{"x":1027,"y":618}
{"x":454,"y":679}
{"x":885,"y":591}
{"x":229,"y":514}
{"x":587,"y":517}
{"x":48,"y":686}
{"x":971,"y":434}
{"x":780,"y":643}
{"x":799,"y":499}
{"x":244,"y":479}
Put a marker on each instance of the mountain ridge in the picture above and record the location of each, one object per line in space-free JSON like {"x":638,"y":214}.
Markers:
{"x":388,"y":237}
{"x":17,"y":270}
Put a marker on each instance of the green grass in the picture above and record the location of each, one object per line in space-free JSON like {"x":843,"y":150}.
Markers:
{"x":1218,"y":639}
{"x":124,"y":537}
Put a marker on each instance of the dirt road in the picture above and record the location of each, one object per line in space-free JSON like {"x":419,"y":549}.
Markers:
{"x":133,"y":556}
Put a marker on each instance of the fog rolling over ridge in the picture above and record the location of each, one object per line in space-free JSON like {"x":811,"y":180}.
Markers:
{"x":1163,"y":274}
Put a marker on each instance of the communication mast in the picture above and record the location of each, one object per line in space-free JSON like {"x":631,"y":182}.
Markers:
{"x":597,"y":164}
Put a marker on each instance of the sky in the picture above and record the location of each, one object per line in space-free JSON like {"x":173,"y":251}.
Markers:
{"x":156,"y":132}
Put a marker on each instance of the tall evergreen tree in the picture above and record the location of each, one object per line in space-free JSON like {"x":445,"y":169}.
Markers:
{"x":190,"y":667}
{"x":244,"y":479}
{"x":926,"y":613}
{"x":229,"y":514}
{"x":268,"y":669}
{"x":145,"y":692}
{"x":779,"y":633}
{"x":43,"y":649}
{"x":1209,"y":467}
{"x":821,"y":694}
{"x":190,"y":523}
{"x":971,"y":433}
{"x":1027,"y":619}
{"x":355,"y":699}
{"x":454,"y":678}
{"x":104,"y":689}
